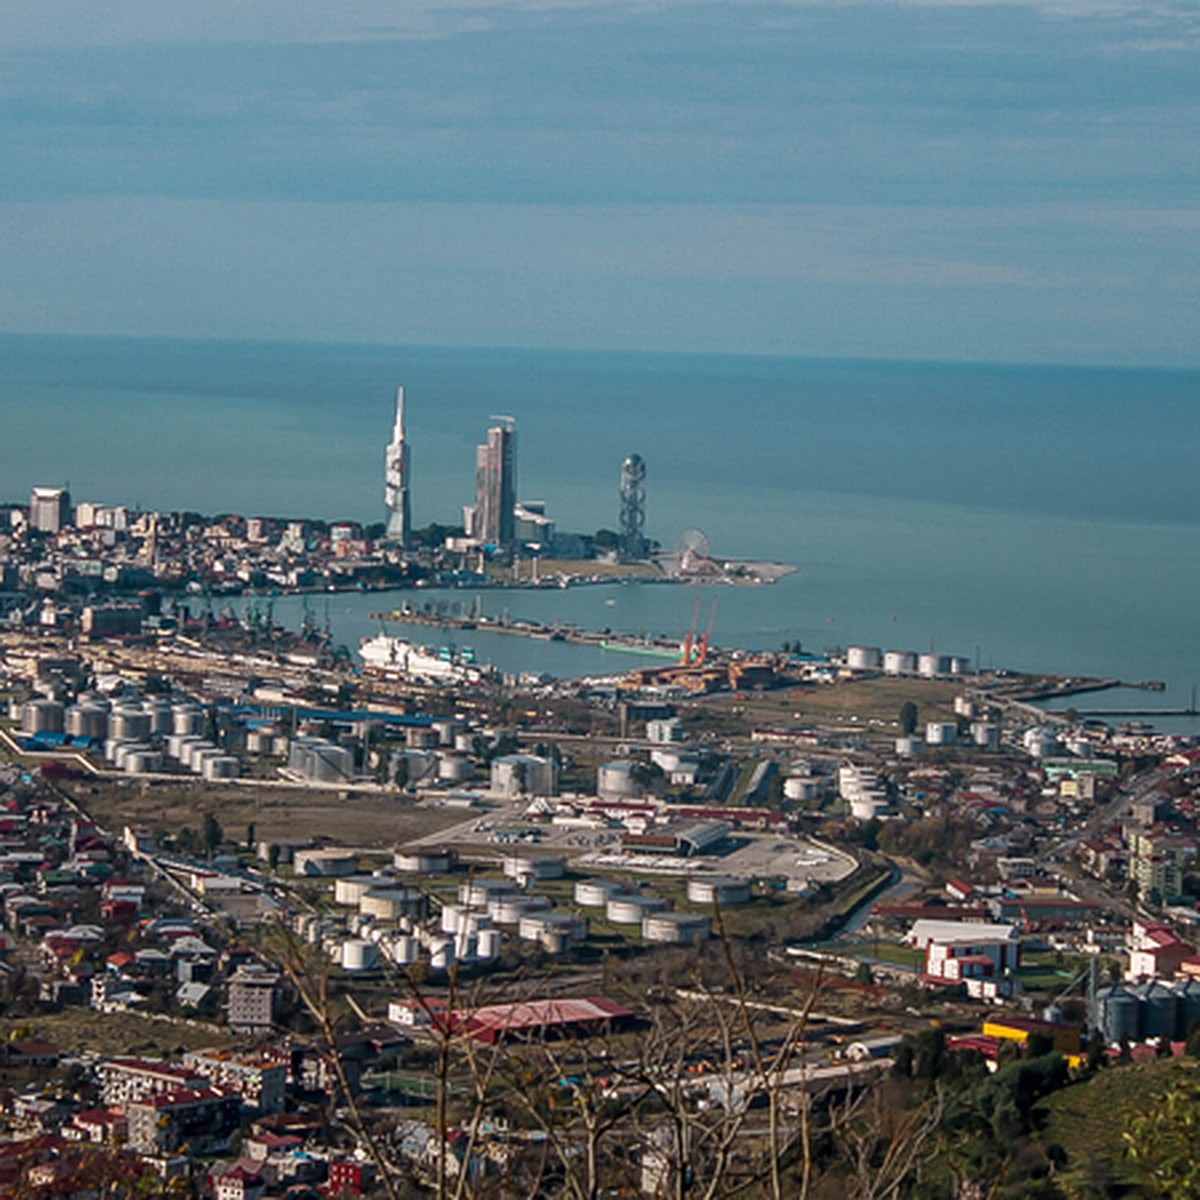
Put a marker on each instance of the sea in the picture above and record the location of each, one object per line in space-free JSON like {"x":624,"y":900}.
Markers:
{"x":1027,"y":517}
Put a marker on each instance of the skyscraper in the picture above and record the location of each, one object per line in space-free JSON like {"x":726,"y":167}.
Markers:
{"x":395,"y":491}
{"x":490,"y":520}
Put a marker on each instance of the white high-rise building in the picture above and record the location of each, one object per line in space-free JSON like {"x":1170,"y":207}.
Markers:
{"x":395,"y":492}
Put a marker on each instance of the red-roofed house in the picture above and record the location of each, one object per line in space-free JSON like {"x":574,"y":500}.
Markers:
{"x":1155,"y":952}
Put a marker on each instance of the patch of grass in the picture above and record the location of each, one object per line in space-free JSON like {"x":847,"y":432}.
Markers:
{"x":78,"y":1029}
{"x":864,"y":700}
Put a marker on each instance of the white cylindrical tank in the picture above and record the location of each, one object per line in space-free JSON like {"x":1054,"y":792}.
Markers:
{"x":615,"y":781}
{"x":455,"y":768}
{"x":508,"y":910}
{"x":534,"y":866}
{"x":491,"y":942}
{"x":803,"y":788}
{"x":350,"y":889}
{"x":358,"y":954}
{"x":187,"y":719}
{"x":441,"y":954}
{"x":448,"y":728}
{"x":160,"y":716}
{"x":941,"y":733}
{"x":199,"y":758}
{"x":985,"y":735}
{"x":223,"y":766}
{"x":906,"y":747}
{"x":111,"y":746}
{"x":416,"y":860}
{"x":391,"y":903}
{"x":260,"y":741}
{"x":129,"y":722}
{"x":630,"y":909}
{"x":122,"y":750}
{"x":42,"y":716}
{"x":452,"y":917}
{"x":405,"y":950}
{"x":864,"y":658}
{"x":931,"y":665}
{"x":87,"y":721}
{"x":479,"y":893}
{"x":464,"y":742}
{"x":959,"y":665}
{"x":866,"y":807}
{"x":675,"y":928}
{"x":964,"y":706}
{"x":1041,"y":743}
{"x":722,"y":890}
{"x":595,"y":893}
{"x":899,"y":662}
{"x":143,"y":761}
{"x":192,"y":752}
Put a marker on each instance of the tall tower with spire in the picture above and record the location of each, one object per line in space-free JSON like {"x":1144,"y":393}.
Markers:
{"x":395,"y":491}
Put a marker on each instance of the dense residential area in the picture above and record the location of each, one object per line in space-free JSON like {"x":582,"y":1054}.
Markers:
{"x":277,"y":926}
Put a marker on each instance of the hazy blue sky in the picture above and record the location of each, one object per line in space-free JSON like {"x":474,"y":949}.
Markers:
{"x":938,"y":179}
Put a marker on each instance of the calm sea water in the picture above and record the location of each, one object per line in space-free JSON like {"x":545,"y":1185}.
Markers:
{"x":1044,"y":518}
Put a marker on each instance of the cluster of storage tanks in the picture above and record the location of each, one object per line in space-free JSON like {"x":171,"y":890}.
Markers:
{"x":983,"y":735}
{"x":1148,"y":1010}
{"x":137,"y":733}
{"x":906,"y":662}
{"x":658,"y":922}
{"x":862,"y":790}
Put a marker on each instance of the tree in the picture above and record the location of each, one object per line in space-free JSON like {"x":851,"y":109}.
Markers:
{"x":1162,"y":1143}
{"x":250,"y":838}
{"x":908,"y":718}
{"x":212,"y":835}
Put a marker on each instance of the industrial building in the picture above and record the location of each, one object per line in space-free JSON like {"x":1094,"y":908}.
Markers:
{"x":542,"y":1019}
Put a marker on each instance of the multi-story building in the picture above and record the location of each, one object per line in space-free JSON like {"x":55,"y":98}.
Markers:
{"x":49,"y":509}
{"x":260,"y":1081}
{"x":201,"y":1119}
{"x":491,"y":519}
{"x":124,"y":1080}
{"x":1156,"y":863}
{"x":252,"y":991}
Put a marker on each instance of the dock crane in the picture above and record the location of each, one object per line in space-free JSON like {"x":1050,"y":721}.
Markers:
{"x":691,"y":635}
{"x":695,"y":650}
{"x":702,"y":649}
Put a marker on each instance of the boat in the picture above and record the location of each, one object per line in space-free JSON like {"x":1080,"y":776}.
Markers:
{"x":397,"y":658}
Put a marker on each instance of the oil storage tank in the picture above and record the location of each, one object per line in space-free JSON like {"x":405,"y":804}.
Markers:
{"x":722,"y":890}
{"x":626,"y":908}
{"x":899,"y":662}
{"x":675,"y":928}
{"x":864,"y":658}
{"x":595,"y":893}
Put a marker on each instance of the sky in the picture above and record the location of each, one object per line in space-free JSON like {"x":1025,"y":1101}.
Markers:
{"x":930,"y":179}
